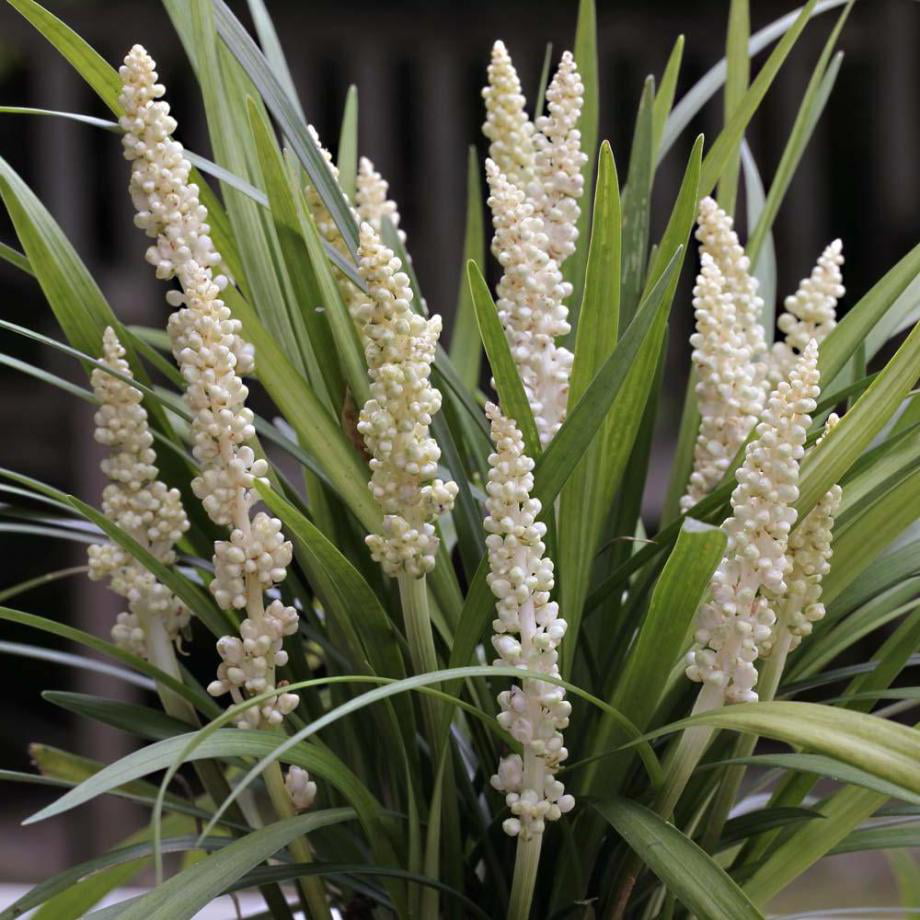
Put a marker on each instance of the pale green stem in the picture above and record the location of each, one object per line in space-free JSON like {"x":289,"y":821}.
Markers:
{"x":767,"y":684}
{"x":680,"y":766}
{"x":311,"y":886}
{"x":162,"y":653}
{"x":526,"y":862}
{"x":413,"y":594}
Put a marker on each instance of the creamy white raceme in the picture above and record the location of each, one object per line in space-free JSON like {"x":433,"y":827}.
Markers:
{"x":507,"y":126}
{"x":729,"y":397}
{"x":530,"y":302}
{"x":528,"y":631}
{"x":558,"y":182}
{"x":735,"y":626}
{"x":810,"y":313}
{"x":400,"y":347}
{"x":535,"y":179}
{"x":212,"y":357}
{"x":140,"y":504}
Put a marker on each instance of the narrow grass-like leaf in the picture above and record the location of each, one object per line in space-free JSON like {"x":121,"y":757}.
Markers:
{"x":71,"y":633}
{"x":636,"y":206}
{"x":721,"y":151}
{"x":504,"y":371}
{"x":90,"y":65}
{"x":310,"y":327}
{"x":344,"y":593}
{"x":827,"y":463}
{"x":880,"y":747}
{"x":584,"y":498}
{"x":813,"y":102}
{"x":585,"y":51}
{"x":257,"y":68}
{"x":465,"y":346}
{"x":585,"y":420}
{"x":271,"y":48}
{"x":660,"y":640}
{"x":765,"y":266}
{"x":692,"y":875}
{"x":709,"y":84}
{"x":664,"y":98}
{"x":827,"y":767}
{"x":543,"y":82}
{"x":183,"y":895}
{"x":129,"y":717}
{"x":737,"y":74}
{"x":317,"y":431}
{"x":67,"y":660}
{"x":347,"y":159}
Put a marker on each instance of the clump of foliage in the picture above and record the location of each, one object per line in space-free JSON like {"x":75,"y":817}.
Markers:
{"x":455,"y":672}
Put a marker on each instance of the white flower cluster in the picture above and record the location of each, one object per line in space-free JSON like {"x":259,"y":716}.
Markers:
{"x":535,"y":179}
{"x":371,"y":202}
{"x":811,"y":313}
{"x":168,"y":207}
{"x":559,"y":160}
{"x":736,"y":625}
{"x":729,"y":397}
{"x":139,"y":503}
{"x":212,"y":358}
{"x":530,"y":305}
{"x":810,"y":555}
{"x":300,"y":787}
{"x":507,"y":125}
{"x":528,"y":631}
{"x":400,"y":347}
{"x":729,"y":351}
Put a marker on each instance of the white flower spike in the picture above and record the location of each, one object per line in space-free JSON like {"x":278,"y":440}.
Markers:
{"x":168,"y":206}
{"x":400,"y":347}
{"x":371,"y":200}
{"x":528,"y":631}
{"x":811,"y":313}
{"x":728,"y":395}
{"x":212,"y":357}
{"x":558,"y":161}
{"x":530,"y":302}
{"x":717,"y":237}
{"x":736,"y":625}
{"x":140,"y":504}
{"x":507,"y":125}
{"x":810,"y":557}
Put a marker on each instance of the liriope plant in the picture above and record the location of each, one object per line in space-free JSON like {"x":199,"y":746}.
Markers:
{"x":455,"y":671}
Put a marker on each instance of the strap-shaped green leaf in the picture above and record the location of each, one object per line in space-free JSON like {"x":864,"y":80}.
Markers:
{"x":693,"y":876}
{"x":253,"y":62}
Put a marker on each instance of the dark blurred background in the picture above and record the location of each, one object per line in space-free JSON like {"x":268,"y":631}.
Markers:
{"x":419,"y":67}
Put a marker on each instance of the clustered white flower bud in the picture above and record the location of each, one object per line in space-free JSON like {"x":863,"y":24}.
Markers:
{"x":735,"y":626}
{"x":528,"y":631}
{"x":168,"y":207}
{"x":212,"y":358}
{"x":558,"y":160}
{"x":400,"y":347}
{"x":729,"y":351}
{"x":535,"y":179}
{"x":729,"y":397}
{"x":139,"y":503}
{"x":811,"y":313}
{"x":300,"y":787}
{"x":530,"y":302}
{"x":810,"y":556}
{"x":371,"y":202}
{"x":507,"y":125}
